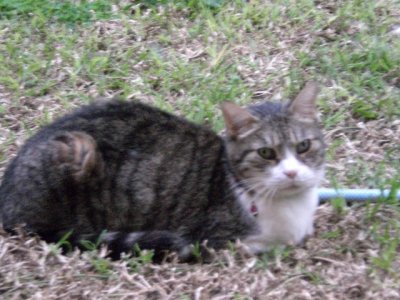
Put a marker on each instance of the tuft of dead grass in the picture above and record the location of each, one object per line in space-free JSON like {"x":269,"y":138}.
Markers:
{"x":327,"y":266}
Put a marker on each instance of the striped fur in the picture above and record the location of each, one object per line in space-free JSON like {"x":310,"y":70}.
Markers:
{"x":124,"y":167}
{"x":151,"y":179}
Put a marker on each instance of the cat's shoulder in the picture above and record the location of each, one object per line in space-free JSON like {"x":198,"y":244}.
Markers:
{"x":116,"y":116}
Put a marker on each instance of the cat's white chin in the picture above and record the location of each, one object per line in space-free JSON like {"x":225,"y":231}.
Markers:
{"x":292,"y":189}
{"x":288,"y":192}
{"x":286,"y":220}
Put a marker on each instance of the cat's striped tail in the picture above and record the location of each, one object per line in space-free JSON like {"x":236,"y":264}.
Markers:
{"x":161,"y":242}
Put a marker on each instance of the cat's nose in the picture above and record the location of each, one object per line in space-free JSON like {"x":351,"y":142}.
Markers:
{"x":291,"y":174}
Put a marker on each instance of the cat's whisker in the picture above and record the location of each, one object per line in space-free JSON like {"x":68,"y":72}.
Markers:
{"x":246,"y":185}
{"x":253,"y":185}
{"x":268,"y":193}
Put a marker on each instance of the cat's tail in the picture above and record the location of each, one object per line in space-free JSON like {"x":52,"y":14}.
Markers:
{"x":161,"y":242}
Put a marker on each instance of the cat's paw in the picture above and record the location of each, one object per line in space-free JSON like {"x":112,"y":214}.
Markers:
{"x":255,"y":245}
{"x":76,"y":152}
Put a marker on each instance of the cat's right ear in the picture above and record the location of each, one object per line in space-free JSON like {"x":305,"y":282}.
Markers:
{"x":238,"y":121}
{"x":303,"y":107}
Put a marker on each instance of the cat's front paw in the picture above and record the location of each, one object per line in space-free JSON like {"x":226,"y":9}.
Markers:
{"x":255,"y":245}
{"x":260,"y":244}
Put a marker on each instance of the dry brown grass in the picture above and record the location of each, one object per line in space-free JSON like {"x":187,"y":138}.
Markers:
{"x":325,"y":267}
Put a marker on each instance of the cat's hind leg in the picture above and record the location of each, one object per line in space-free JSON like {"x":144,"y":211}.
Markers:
{"x":76,"y":154}
{"x":38,"y":187}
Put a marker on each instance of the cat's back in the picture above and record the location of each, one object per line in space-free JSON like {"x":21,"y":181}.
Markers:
{"x":116,"y":121}
{"x":118,"y":127}
{"x":121,"y":132}
{"x":116,"y":158}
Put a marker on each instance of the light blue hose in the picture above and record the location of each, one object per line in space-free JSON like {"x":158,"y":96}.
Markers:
{"x":326,"y":194}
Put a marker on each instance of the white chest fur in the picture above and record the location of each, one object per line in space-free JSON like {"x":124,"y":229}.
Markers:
{"x":286,"y":220}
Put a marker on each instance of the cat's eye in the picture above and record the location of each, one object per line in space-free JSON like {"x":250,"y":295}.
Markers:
{"x":267,"y":153}
{"x":303,"y":146}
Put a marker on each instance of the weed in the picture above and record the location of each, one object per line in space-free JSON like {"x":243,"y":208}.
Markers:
{"x":264,"y":261}
{"x":196,"y":251}
{"x":332,"y":148}
{"x":371,"y":213}
{"x":364,"y":109}
{"x":63,"y":244}
{"x":313,"y":277}
{"x":392,"y":197}
{"x":93,"y":245}
{"x":139,"y":258}
{"x":275,"y":254}
{"x":239,"y":296}
{"x":389,"y":240}
{"x":102,"y":266}
{"x":331,"y":234}
{"x":339,"y":205}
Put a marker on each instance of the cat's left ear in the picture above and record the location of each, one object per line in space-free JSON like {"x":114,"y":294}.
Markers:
{"x":238,"y":121}
{"x":303,"y":107}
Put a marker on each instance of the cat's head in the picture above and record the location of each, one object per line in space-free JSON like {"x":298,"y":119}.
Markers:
{"x":276,"y":148}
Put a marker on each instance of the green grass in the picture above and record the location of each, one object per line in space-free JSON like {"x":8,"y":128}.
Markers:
{"x":274,"y":255}
{"x":339,"y":205}
{"x":332,"y":234}
{"x":387,"y":235}
{"x":42,"y":55}
{"x":140,"y":259}
{"x":70,"y":12}
{"x":33,"y":43}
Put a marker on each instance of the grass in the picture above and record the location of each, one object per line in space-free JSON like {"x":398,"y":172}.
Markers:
{"x":70,"y":12}
{"x":186,"y":57}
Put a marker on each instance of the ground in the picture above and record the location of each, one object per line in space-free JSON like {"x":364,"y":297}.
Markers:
{"x":185,"y":57}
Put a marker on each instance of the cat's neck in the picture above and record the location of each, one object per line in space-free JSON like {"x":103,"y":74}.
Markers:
{"x":283,"y":221}
{"x":256,"y":203}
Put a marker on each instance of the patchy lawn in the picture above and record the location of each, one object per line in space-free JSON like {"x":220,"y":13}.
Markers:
{"x":185,"y":57}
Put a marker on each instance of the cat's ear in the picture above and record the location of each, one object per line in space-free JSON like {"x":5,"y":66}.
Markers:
{"x":303,"y":107}
{"x":238,"y":121}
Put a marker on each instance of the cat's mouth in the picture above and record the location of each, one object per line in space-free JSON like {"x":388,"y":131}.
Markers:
{"x":292,"y":187}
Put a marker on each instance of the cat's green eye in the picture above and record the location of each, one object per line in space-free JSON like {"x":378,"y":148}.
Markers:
{"x":303,"y":146}
{"x":267,"y":153}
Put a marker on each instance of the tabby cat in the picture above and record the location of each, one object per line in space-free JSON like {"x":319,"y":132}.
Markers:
{"x":130,"y":174}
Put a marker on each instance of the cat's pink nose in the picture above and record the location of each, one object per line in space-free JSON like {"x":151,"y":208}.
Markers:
{"x":291,"y":174}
